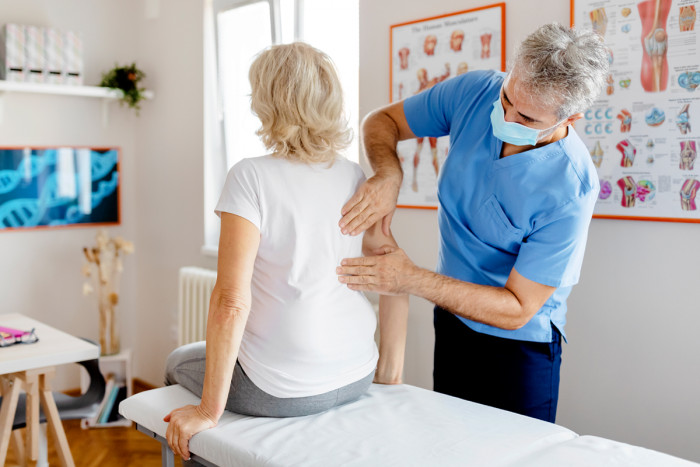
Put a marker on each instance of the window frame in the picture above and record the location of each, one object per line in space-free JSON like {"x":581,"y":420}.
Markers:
{"x":217,"y":155}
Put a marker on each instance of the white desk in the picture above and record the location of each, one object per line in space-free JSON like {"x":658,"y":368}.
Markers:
{"x":31,"y":367}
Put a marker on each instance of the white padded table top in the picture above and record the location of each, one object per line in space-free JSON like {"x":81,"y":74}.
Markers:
{"x":586,"y":451}
{"x":390,"y":425}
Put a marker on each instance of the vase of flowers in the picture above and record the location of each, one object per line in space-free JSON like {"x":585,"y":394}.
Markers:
{"x":103,"y":269}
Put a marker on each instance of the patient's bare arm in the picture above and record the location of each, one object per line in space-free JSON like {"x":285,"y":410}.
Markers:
{"x":228,"y":312}
{"x":393,"y":318}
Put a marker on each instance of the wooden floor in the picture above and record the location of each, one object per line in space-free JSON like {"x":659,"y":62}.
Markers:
{"x":104,"y":447}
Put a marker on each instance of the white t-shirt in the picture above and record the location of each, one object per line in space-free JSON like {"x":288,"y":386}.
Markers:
{"x":307,"y":333}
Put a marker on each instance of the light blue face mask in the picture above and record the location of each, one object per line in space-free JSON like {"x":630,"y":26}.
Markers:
{"x":514,"y":133}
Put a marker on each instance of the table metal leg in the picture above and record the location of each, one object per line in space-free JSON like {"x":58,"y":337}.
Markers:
{"x":167,"y":456}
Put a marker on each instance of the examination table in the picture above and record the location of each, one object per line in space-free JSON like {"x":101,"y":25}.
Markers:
{"x":398,"y":425}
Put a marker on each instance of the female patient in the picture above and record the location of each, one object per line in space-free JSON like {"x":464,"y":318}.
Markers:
{"x":284,"y":337}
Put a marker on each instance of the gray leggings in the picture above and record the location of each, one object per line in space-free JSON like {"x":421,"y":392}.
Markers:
{"x":185,"y":366}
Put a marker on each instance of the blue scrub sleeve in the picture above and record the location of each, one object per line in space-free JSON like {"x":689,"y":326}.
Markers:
{"x":430,"y":112}
{"x":552,"y":255}
{"x":240,"y":195}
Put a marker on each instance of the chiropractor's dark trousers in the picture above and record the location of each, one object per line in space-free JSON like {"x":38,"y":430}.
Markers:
{"x":518,"y":376}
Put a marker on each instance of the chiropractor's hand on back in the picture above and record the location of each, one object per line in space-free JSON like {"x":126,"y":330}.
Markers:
{"x":390,"y":272}
{"x":374,"y":200}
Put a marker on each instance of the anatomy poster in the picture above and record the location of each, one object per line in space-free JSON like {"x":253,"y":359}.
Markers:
{"x":641,"y":131}
{"x":426,"y":52}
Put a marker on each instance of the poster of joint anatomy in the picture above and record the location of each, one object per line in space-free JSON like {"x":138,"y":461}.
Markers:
{"x":58,"y":187}
{"x":426,"y":52}
{"x":641,"y":132}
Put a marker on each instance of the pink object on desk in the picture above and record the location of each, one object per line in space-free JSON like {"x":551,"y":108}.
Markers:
{"x":9,"y":336}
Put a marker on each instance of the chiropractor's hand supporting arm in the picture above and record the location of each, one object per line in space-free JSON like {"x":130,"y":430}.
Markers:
{"x":228,"y":312}
{"x":393,"y":318}
{"x":376,"y":199}
{"x":392,"y":272}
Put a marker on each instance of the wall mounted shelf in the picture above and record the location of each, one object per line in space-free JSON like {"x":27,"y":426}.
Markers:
{"x":107,"y":95}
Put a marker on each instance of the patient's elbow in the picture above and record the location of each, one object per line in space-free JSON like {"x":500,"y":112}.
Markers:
{"x":229,"y":304}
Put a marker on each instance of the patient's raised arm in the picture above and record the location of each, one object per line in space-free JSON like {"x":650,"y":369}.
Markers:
{"x":393,"y":317}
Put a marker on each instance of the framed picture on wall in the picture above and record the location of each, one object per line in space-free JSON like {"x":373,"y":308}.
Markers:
{"x":639,"y":131}
{"x":51,"y":187}
{"x":428,"y":51}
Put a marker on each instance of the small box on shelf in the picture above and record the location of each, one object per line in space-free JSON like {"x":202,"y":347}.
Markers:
{"x":12,"y":62}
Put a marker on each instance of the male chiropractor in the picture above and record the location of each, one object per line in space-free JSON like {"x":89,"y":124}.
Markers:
{"x":516,"y":195}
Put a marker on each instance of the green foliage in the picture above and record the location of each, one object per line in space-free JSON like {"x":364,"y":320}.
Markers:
{"x":126,"y":79}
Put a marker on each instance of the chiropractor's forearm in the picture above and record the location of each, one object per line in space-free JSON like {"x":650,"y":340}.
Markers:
{"x":495,"y":306}
{"x":393,"y":323}
{"x":228,"y":313}
{"x":380,"y":134}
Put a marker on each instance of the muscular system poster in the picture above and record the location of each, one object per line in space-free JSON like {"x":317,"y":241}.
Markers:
{"x":426,"y":52}
{"x":641,"y":131}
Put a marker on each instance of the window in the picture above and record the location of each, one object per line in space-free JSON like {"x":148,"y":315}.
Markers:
{"x":236,"y":30}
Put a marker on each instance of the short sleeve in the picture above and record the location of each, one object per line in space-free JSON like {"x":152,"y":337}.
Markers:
{"x":431,"y":112}
{"x":552,"y":255}
{"x":241,"y":193}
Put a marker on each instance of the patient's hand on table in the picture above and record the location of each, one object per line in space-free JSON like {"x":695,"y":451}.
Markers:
{"x":183,"y":424}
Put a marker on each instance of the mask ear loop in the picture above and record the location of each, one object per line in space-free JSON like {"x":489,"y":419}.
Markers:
{"x":549,"y":131}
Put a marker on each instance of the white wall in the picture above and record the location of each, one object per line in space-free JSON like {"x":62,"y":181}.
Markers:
{"x":162,"y":173}
{"x":170,"y":178}
{"x":40,"y":270}
{"x":631,"y":371}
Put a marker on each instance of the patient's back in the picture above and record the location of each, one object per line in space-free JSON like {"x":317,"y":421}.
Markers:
{"x":307,"y":333}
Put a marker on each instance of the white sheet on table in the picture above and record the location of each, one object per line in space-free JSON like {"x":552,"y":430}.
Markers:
{"x":586,"y":451}
{"x":390,"y":425}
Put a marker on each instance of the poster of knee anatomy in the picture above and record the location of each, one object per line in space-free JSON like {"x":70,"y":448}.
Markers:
{"x":426,"y":52}
{"x":641,"y":131}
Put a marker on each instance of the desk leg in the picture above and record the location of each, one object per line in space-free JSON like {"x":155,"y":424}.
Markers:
{"x":31,"y":381}
{"x":18,"y":446}
{"x":54,"y":420}
{"x":11,"y":386}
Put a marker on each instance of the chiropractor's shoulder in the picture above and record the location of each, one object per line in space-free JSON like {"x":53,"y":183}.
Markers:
{"x":388,"y":118}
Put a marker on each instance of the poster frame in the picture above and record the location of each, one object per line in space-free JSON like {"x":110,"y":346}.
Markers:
{"x":117,"y":168}
{"x":572,"y":16}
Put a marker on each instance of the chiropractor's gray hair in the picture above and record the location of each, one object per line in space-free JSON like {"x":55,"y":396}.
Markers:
{"x":562,"y":68}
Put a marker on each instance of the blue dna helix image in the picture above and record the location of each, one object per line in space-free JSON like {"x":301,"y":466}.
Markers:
{"x":29,"y":190}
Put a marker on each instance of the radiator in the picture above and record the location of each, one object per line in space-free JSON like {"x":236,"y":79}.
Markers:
{"x":196,"y":285}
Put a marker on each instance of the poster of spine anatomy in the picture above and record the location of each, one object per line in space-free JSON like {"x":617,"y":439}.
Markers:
{"x":642,"y":131}
{"x":429,"y":51}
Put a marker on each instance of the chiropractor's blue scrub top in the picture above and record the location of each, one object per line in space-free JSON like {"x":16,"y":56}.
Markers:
{"x":530,"y":210}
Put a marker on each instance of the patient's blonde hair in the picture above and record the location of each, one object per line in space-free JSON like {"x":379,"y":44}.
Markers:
{"x":297,"y":96}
